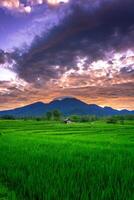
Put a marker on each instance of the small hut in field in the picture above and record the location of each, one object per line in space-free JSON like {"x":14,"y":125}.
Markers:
{"x":67,"y":121}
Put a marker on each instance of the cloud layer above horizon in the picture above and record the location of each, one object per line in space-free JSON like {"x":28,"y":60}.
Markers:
{"x":82,"y":48}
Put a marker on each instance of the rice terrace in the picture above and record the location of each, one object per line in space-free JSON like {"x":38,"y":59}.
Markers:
{"x":51,"y":160}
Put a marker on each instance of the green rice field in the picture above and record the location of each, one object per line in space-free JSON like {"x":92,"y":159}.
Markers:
{"x":42,"y":160}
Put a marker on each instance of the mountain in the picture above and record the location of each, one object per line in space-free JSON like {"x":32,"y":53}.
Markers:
{"x":67,"y":105}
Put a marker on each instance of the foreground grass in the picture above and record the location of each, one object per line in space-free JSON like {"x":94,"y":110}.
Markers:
{"x":5,"y":194}
{"x":53,"y":161}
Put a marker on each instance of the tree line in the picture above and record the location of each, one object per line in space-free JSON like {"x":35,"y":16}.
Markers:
{"x":56,"y":115}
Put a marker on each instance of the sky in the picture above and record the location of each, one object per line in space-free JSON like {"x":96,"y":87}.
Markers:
{"x":79,"y":48}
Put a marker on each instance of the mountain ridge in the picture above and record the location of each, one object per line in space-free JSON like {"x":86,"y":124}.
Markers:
{"x":67,"y":106}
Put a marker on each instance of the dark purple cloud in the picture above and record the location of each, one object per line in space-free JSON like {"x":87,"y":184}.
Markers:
{"x":61,"y":37}
{"x":89,"y":30}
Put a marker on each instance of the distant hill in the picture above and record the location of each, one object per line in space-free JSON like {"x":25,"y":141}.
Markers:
{"x":67,"y":105}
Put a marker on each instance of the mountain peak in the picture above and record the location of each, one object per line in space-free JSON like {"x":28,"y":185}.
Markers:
{"x":63,"y":98}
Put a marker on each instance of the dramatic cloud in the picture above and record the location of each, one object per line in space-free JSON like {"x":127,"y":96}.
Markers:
{"x":88,"y":31}
{"x":10,"y":3}
{"x":15,"y":5}
{"x":4,"y":57}
{"x":27,"y":5}
{"x":83,"y":48}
